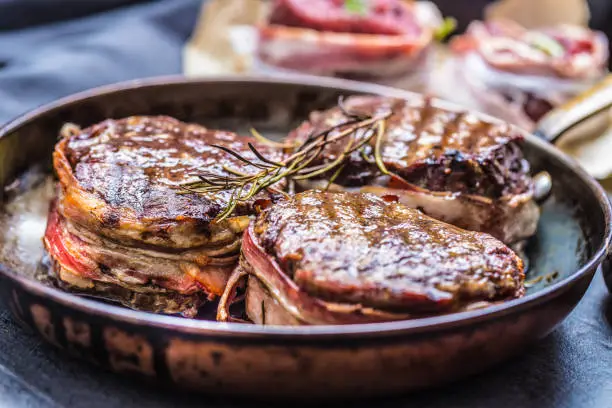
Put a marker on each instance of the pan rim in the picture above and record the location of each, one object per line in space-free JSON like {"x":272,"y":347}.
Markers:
{"x":212,"y":328}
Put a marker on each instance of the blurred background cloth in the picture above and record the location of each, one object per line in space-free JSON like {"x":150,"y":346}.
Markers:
{"x":52,"y":48}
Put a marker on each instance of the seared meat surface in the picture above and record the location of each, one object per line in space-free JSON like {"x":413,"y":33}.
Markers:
{"x":122,"y":220}
{"x":436,"y":149}
{"x":126,"y":175}
{"x":458,"y":168}
{"x":358,"y":248}
{"x":338,"y":257}
{"x":124,"y":228}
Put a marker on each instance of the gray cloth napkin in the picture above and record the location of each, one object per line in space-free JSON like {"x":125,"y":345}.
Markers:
{"x":41,"y":63}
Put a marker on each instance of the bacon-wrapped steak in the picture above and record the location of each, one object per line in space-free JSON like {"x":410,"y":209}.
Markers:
{"x":340,"y":257}
{"x":384,"y":39}
{"x":122,"y":224}
{"x":451,"y":165}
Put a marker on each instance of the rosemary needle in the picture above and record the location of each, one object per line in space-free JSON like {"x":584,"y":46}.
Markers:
{"x":358,"y":131}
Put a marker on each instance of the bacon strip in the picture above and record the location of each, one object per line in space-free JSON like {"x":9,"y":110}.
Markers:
{"x":303,"y":307}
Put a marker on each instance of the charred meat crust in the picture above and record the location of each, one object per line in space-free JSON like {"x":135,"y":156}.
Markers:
{"x":121,"y":178}
{"x":358,"y":248}
{"x":435,"y":149}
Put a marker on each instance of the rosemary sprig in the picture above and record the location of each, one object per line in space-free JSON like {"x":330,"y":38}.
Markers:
{"x":358,"y":131}
{"x":263,"y":140}
{"x":449,"y":24}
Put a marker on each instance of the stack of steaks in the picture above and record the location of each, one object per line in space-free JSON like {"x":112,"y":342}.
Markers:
{"x":339,"y":257}
{"x":123,"y":228}
{"x":453,"y":166}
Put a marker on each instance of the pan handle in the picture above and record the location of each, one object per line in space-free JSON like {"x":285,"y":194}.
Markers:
{"x":580,"y":108}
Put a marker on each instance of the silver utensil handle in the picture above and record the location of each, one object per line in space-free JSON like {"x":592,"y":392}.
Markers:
{"x":580,"y":108}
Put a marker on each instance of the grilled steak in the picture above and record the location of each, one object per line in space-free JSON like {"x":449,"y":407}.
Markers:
{"x":339,"y":257}
{"x":121,"y":220}
{"x":454,"y":166}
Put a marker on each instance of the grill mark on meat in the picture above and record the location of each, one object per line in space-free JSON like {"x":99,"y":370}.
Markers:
{"x":122,"y":178}
{"x":432,"y":148}
{"x":451,"y":126}
{"x":138,"y":163}
{"x":359,"y":248}
{"x":426,"y":114}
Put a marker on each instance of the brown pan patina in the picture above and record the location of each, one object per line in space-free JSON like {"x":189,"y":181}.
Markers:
{"x":249,"y":360}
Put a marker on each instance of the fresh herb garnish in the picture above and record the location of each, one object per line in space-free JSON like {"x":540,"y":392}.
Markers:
{"x":356,"y":6}
{"x":446,"y":28}
{"x":358,"y":130}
